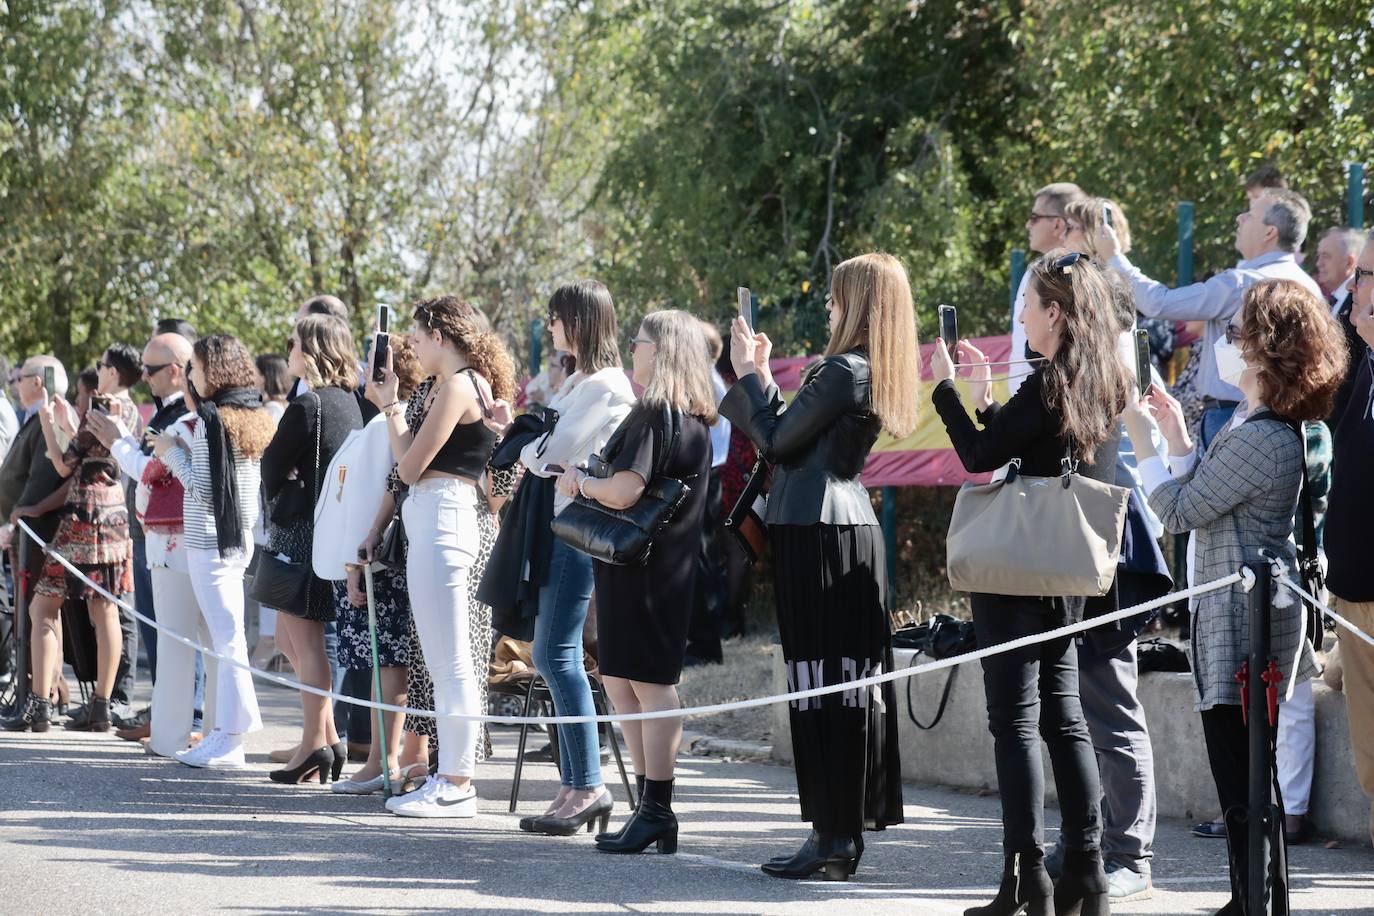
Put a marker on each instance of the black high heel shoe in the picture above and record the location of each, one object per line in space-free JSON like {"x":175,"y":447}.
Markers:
{"x":318,"y":764}
{"x":652,"y":822}
{"x":1026,"y":887}
{"x":599,"y":810}
{"x":340,"y":751}
{"x":1082,"y":886}
{"x":837,"y":857}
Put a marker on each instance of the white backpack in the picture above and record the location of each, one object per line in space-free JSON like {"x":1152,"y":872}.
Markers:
{"x":348,"y":503}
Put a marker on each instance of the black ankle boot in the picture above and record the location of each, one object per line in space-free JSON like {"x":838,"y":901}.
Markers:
{"x":639,"y":797}
{"x":34,"y":717}
{"x":1025,"y":885}
{"x":837,"y":856}
{"x":97,"y":716}
{"x":652,"y":822}
{"x":1082,"y":887}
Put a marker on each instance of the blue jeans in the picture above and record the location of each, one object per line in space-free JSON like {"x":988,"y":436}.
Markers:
{"x":558,"y":658}
{"x":143,"y":600}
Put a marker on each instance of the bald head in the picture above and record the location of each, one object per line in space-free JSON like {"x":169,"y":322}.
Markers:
{"x":170,"y":352}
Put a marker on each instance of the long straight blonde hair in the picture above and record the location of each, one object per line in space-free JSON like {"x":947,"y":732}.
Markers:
{"x":876,"y":312}
{"x":682,"y":372}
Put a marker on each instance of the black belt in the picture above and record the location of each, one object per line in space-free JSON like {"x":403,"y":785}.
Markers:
{"x":1213,"y":404}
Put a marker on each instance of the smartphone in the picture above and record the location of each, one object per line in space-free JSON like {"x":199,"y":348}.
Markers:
{"x":949,"y":327}
{"x":746,"y":305}
{"x":551,"y":469}
{"x":50,"y":382}
{"x":1142,"y":361}
{"x":381,"y":344}
{"x":100,"y":405}
{"x":1107,"y":214}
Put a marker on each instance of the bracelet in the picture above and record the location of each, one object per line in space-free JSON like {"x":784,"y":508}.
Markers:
{"x":582,"y":487}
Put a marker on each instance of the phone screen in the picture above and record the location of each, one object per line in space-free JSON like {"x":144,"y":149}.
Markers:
{"x":50,"y":382}
{"x":1142,"y":361}
{"x":1107,"y":214}
{"x":949,"y":327}
{"x":746,"y":305}
{"x":381,"y":345}
{"x":553,"y":469}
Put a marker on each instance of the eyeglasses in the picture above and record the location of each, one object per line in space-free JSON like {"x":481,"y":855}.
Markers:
{"x":636,"y":341}
{"x":1037,"y":217}
{"x":1360,"y":273}
{"x":1067,"y":261}
{"x":1234,"y":334}
{"x":150,"y":371}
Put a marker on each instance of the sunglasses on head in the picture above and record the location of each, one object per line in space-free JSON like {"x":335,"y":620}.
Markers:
{"x":1067,"y":261}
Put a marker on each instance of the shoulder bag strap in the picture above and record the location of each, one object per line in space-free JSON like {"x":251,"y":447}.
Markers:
{"x":319,"y":424}
{"x":944,"y":698}
{"x":481,"y":397}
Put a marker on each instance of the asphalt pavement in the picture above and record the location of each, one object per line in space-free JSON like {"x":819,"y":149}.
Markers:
{"x":90,"y":824}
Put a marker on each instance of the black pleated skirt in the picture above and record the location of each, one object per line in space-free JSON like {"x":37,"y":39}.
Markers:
{"x":831,"y":584}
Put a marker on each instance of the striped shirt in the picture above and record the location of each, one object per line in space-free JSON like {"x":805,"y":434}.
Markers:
{"x":198,"y":514}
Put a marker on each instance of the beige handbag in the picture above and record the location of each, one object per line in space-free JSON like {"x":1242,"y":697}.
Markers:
{"x":1036,"y":536}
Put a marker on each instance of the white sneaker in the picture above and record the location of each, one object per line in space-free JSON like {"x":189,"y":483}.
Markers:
{"x":436,"y":798}
{"x":217,"y":750}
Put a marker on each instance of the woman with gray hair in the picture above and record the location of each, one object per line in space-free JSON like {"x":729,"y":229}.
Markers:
{"x":643,"y":611}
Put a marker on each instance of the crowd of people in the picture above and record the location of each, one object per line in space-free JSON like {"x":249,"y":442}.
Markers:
{"x":400,"y":479}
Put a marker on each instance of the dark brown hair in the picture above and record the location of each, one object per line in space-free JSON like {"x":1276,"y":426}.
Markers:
{"x":226,"y":363}
{"x":465,"y":328}
{"x":1300,"y":350}
{"x":1084,"y":382}
{"x":588,"y":315}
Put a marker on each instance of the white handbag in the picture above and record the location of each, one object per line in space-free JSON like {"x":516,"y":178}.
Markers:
{"x":348,"y":503}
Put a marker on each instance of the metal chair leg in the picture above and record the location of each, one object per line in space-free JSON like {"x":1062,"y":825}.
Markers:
{"x":520,"y":751}
{"x":599,"y":702}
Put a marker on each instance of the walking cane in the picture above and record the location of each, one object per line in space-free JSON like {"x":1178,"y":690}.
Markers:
{"x":377,"y":681}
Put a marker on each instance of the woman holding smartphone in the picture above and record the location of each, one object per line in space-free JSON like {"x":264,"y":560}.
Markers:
{"x":829,"y":567}
{"x":442,"y":464}
{"x":93,"y":534}
{"x":591,"y":403}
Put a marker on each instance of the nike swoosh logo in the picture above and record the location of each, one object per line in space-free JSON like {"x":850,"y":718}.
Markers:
{"x":457,"y":801}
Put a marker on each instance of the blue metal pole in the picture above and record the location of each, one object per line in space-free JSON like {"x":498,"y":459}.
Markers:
{"x":1018,"y":269}
{"x":1354,"y":198}
{"x":890,"y":541}
{"x":536,"y":346}
{"x":1185,"y":242}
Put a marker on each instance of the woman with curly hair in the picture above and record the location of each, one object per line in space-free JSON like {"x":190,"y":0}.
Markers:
{"x":1287,"y":355}
{"x":321,"y":354}
{"x":443,"y":464}
{"x":219,"y":471}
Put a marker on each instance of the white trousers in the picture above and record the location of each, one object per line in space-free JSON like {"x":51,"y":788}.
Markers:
{"x":218,"y":583}
{"x":441,"y":527}
{"x":1297,"y":747}
{"x":174,"y":692}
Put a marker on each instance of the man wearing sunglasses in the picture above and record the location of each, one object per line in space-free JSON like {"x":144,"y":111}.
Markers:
{"x":1046,"y":230}
{"x":1268,"y":234}
{"x":164,"y":370}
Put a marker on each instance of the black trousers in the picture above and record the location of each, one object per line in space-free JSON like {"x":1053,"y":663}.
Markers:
{"x":1032,"y":696}
{"x":1228,"y":753}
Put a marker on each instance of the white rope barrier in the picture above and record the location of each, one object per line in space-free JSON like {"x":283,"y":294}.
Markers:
{"x":1307,"y":596}
{"x":857,"y":684}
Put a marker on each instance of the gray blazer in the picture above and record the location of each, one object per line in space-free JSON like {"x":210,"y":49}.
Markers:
{"x":1239,"y":500}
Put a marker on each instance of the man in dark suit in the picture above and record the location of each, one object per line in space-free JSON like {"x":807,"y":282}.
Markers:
{"x":1337,"y":253}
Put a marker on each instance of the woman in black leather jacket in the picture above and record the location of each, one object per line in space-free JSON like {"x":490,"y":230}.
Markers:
{"x":828,"y":562}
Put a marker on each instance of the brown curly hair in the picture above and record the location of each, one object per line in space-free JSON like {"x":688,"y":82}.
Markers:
{"x":1300,"y":350}
{"x":406,"y":365}
{"x":226,"y":363}
{"x":466,"y":328}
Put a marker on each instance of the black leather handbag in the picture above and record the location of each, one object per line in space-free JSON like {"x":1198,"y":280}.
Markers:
{"x":391,"y":552}
{"x":625,"y":537}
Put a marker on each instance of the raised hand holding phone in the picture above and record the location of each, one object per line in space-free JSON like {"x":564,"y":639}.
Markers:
{"x":383,"y":385}
{"x":381,"y":346}
{"x":745,"y":300}
{"x":949,"y":327}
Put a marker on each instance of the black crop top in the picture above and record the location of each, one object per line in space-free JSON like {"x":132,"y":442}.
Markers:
{"x":468,"y":448}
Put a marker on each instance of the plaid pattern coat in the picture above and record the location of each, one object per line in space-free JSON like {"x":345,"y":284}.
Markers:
{"x":1239,"y":500}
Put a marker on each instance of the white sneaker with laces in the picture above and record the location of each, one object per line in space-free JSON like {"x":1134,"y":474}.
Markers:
{"x":217,"y":751}
{"x":436,"y":798}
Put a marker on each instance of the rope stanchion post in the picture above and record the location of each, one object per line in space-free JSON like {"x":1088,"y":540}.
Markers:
{"x":380,"y":733}
{"x":1262,"y":817}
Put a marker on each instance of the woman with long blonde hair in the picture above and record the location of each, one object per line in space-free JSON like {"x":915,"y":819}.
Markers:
{"x":829,"y":566}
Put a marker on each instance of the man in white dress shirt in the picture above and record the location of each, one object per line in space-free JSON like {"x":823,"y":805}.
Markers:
{"x":1268,"y":234}
{"x":1046,"y":230}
